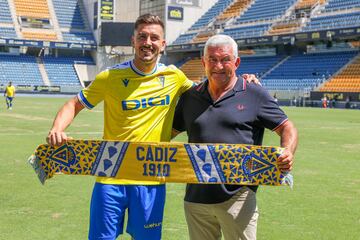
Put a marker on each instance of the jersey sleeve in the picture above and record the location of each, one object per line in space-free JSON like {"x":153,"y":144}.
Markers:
{"x":95,"y":92}
{"x":270,"y":114}
{"x":178,"y":123}
{"x":186,"y":83}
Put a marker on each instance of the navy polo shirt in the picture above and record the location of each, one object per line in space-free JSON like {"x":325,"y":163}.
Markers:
{"x":238,"y":117}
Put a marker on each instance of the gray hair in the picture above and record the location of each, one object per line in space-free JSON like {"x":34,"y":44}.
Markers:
{"x":221,"y":40}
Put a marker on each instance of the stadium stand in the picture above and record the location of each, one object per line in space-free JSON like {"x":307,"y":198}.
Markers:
{"x":203,"y":36}
{"x":258,"y":65}
{"x":5,"y":15}
{"x":46,"y":35}
{"x":83,"y":37}
{"x":184,"y":38}
{"x":337,"y":5}
{"x":34,"y":8}
{"x":69,"y":14}
{"x":24,"y":67}
{"x":61,"y":70}
{"x":303,"y":4}
{"x":7,"y":32}
{"x":193,"y":69}
{"x":283,"y":28}
{"x":333,"y":21}
{"x":348,"y":80}
{"x":21,"y":70}
{"x":234,"y":10}
{"x":265,"y":10}
{"x":335,"y":14}
{"x":211,"y":14}
{"x":247,"y":31}
{"x":72,"y":21}
{"x":306,"y":71}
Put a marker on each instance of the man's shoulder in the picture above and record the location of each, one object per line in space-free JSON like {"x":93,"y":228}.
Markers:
{"x":171,"y":68}
{"x":195,"y":90}
{"x":119,"y":66}
{"x":256,"y":89}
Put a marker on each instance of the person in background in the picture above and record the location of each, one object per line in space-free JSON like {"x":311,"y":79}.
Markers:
{"x":9,"y":95}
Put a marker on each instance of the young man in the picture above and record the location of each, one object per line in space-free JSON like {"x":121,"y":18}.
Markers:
{"x":139,"y":103}
{"x":9,"y":95}
{"x":238,"y":112}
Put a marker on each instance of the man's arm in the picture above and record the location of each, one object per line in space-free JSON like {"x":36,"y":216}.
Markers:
{"x":289,"y":140}
{"x":64,"y":117}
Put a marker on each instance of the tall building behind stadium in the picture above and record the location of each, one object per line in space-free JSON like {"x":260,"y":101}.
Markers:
{"x":300,"y":49}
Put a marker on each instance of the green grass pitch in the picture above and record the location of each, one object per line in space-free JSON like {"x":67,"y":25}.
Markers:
{"x":324,"y":203}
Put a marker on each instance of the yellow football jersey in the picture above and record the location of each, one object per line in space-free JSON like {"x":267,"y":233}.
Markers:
{"x":9,"y":91}
{"x":137,"y":106}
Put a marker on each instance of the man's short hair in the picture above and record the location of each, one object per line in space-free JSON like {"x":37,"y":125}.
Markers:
{"x":221,"y":40}
{"x":149,"y":19}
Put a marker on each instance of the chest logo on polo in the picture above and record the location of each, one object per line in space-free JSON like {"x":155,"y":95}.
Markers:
{"x":240,"y":107}
{"x":134,"y":104}
{"x":126,"y":82}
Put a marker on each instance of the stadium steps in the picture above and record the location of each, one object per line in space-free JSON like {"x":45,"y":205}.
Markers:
{"x":354,"y":61}
{"x":42,"y":70}
{"x":84,"y":16}
{"x":14,"y":18}
{"x":234,"y":10}
{"x":54,"y":20}
{"x":273,"y":68}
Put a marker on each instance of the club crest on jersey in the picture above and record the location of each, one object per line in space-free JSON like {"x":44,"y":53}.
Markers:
{"x":126,"y":82}
{"x":134,"y":104}
{"x":162,"y":80}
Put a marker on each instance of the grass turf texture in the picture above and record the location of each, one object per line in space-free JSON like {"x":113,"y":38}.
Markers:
{"x":324,"y":204}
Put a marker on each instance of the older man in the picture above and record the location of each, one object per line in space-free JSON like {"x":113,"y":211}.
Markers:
{"x":227,"y":109}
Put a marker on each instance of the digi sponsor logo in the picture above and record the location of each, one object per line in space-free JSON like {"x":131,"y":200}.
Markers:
{"x":134,"y":104}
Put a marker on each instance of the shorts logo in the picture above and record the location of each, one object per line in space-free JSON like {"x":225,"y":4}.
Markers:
{"x":152,"y":225}
{"x":134,"y":104}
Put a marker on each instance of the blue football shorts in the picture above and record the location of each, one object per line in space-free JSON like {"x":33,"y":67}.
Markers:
{"x":145,"y":206}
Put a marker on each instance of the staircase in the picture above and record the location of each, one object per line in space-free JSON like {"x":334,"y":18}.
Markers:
{"x":43,"y":73}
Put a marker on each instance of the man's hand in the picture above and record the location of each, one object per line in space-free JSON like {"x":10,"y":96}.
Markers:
{"x":285,"y":161}
{"x":67,"y":113}
{"x":57,"y":138}
{"x":251,"y":78}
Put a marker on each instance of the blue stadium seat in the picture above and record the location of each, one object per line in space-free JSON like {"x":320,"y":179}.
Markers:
{"x":306,"y":71}
{"x":5,"y":14}
{"x":210,"y":15}
{"x":79,"y":37}
{"x":72,"y":22}
{"x":333,"y":22}
{"x":336,"y":5}
{"x":265,"y":10}
{"x":20,"y":69}
{"x":257,"y":65}
{"x":247,"y":31}
{"x":6,"y":32}
{"x":61,"y":70}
